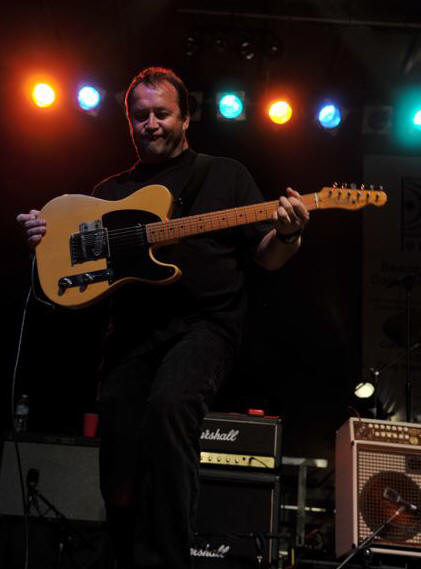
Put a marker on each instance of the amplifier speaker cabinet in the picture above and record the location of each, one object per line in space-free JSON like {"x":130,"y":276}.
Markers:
{"x":238,"y":510}
{"x":238,"y":514}
{"x":373,"y":459}
{"x":68,"y":476}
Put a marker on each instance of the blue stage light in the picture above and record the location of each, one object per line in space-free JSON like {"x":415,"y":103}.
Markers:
{"x":88,"y":98}
{"x":230,"y":106}
{"x":329,"y":116}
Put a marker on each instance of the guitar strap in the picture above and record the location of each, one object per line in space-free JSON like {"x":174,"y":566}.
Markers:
{"x":200,"y":169}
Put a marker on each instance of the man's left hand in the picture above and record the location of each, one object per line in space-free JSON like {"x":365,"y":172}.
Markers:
{"x":292,"y":215}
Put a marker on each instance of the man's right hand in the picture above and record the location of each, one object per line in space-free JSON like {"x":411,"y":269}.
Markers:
{"x":33,"y":226}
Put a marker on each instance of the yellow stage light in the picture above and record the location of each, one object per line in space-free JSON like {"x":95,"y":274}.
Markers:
{"x":280,"y":112}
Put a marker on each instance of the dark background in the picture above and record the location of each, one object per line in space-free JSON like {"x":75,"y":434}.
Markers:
{"x":302,"y":349}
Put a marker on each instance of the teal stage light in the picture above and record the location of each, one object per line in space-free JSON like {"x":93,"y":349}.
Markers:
{"x":329,"y":116}
{"x":407,"y":123}
{"x":88,"y":98}
{"x":417,"y":120}
{"x":231,"y":105}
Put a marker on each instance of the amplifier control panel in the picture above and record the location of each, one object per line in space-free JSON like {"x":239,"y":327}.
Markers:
{"x":248,"y":461}
{"x":386,"y":432}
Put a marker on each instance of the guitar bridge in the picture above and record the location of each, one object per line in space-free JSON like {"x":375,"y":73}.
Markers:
{"x":90,"y":244}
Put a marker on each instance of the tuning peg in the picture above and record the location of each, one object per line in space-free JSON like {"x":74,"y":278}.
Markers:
{"x":335,"y":185}
{"x":381,"y":188}
{"x":353,"y":186}
{"x":371,"y":187}
{"x":362,"y":187}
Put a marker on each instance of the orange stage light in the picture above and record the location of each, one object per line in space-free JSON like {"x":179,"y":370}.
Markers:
{"x":43,"y":95}
{"x":280,"y":112}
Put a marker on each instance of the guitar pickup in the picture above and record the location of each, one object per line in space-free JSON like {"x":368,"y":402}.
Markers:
{"x":83,"y":280}
{"x":90,"y":244}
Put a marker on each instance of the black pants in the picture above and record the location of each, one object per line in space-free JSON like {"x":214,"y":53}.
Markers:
{"x":151,"y":407}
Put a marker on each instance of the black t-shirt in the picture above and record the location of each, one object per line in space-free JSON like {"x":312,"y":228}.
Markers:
{"x":211,"y":288}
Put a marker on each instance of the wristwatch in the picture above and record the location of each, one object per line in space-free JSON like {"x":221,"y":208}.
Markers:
{"x":290,"y":238}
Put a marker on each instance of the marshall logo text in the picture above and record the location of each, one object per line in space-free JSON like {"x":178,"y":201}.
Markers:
{"x":208,"y":551}
{"x":217,"y":435}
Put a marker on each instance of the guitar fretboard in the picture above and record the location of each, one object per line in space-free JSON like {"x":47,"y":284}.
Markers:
{"x":213,"y":221}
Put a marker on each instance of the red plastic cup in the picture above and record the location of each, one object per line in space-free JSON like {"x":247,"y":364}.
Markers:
{"x":90,"y":424}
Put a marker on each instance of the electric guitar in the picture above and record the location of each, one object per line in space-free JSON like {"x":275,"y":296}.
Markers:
{"x":93,"y":246}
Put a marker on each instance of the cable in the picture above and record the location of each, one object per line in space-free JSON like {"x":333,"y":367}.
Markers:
{"x":34,"y":285}
{"x":14,"y":432}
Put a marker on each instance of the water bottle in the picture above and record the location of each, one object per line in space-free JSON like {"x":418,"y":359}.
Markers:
{"x":21,"y":414}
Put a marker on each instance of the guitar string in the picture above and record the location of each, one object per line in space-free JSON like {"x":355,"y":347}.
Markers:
{"x":194,"y":221}
{"x":231,"y":214}
{"x":171,"y":230}
{"x":223,"y":217}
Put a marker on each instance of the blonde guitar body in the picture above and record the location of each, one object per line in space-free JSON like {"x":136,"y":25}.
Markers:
{"x":65,"y":216}
{"x":92,"y":246}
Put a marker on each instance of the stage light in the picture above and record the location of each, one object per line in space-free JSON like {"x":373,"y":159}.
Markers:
{"x":377,"y":119}
{"x":329,"y":116}
{"x":280,"y":112}
{"x":231,"y":105}
{"x":221,"y":45}
{"x":364,"y":390}
{"x":43,"y":95}
{"x":88,"y":97}
{"x":247,"y":49}
{"x":406,"y":124}
{"x":192,"y":44}
{"x":417,"y":120}
{"x":272,"y":46}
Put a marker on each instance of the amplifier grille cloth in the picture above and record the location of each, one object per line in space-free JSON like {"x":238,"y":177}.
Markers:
{"x":380,"y":469}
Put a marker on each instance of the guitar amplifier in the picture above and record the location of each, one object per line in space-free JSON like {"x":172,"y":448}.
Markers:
{"x":241,"y":441}
{"x":378,"y":464}
{"x":67,"y":468}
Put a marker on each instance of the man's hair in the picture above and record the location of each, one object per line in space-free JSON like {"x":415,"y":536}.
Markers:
{"x":152,"y":76}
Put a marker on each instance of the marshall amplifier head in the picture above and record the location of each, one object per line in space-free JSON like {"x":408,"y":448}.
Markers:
{"x":235,"y":440}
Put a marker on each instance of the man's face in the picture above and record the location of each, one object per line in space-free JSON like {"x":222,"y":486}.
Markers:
{"x":156,"y":125}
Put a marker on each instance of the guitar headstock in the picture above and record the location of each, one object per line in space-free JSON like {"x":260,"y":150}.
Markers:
{"x":351,"y":197}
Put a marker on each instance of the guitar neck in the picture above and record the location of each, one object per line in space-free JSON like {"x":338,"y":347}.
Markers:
{"x":205,"y":222}
{"x":327,"y":198}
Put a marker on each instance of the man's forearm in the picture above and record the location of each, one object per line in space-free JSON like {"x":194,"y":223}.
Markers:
{"x":272,"y":254}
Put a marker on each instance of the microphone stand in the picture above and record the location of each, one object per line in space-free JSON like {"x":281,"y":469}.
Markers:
{"x":67,"y":529}
{"x":372,"y":536}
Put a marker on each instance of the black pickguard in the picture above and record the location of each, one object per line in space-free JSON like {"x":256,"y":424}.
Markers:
{"x":129,"y":256}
